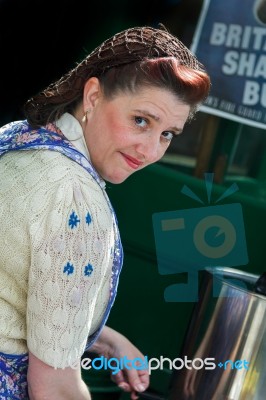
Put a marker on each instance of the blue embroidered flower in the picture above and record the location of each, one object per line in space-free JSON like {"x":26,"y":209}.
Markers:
{"x":73,"y":220}
{"x":88,"y":270}
{"x":68,"y":268}
{"x":88,"y":219}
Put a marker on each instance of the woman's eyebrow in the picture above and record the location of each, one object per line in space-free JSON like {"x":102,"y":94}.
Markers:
{"x":148,"y":114}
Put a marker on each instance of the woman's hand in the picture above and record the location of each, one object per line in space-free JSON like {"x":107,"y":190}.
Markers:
{"x":112,"y":344}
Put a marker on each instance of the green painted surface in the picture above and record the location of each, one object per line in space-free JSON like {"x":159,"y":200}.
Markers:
{"x":140,"y":312}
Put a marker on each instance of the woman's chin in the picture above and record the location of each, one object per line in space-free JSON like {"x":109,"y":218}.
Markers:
{"x":116,"y":179}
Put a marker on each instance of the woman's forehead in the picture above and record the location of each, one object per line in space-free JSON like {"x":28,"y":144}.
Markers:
{"x":158,"y":104}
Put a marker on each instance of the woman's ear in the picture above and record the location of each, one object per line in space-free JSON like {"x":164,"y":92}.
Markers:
{"x":91,"y":93}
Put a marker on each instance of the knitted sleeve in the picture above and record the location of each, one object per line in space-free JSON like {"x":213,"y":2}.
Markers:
{"x":71,"y":234}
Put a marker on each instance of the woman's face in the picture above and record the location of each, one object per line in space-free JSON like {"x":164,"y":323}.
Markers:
{"x":131,"y":131}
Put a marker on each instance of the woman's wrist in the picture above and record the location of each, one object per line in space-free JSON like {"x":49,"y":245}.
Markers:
{"x":107,"y":340}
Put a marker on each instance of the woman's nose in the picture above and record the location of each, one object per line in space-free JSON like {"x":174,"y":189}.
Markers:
{"x":149,"y":148}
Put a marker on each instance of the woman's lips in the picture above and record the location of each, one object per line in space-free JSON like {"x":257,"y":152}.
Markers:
{"x":132,"y":162}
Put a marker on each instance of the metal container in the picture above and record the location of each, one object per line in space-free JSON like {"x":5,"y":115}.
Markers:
{"x":225,"y":346}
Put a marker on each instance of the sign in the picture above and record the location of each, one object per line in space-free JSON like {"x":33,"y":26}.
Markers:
{"x":230,"y":40}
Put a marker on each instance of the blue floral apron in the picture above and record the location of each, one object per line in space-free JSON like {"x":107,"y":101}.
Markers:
{"x":19,"y":136}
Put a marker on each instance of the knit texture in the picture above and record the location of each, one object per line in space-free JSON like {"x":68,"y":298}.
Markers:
{"x":56,"y":256}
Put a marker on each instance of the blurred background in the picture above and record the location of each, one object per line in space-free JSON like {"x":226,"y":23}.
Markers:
{"x":42,"y":39}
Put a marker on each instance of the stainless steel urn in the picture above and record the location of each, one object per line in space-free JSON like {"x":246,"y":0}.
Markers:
{"x":224,"y":354}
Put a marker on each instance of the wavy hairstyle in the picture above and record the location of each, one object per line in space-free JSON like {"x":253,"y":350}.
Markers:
{"x":130,"y":60}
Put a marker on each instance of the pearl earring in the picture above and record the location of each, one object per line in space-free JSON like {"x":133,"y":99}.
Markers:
{"x":84,"y":119}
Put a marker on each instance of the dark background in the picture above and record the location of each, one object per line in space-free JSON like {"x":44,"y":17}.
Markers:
{"x":40,"y":40}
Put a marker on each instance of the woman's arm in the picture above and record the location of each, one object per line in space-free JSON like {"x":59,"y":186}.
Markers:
{"x":46,"y":382}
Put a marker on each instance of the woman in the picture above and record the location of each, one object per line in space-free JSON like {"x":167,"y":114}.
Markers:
{"x":112,"y":115}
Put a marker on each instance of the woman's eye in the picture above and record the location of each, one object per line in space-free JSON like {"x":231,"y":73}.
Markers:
{"x":140,"y":121}
{"x":168,"y":135}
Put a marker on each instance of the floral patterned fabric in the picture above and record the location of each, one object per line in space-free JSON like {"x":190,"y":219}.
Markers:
{"x":18,"y":136}
{"x":13,"y":377}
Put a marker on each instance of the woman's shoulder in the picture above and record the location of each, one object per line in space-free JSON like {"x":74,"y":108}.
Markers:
{"x":43,"y":163}
{"x":46,"y":174}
